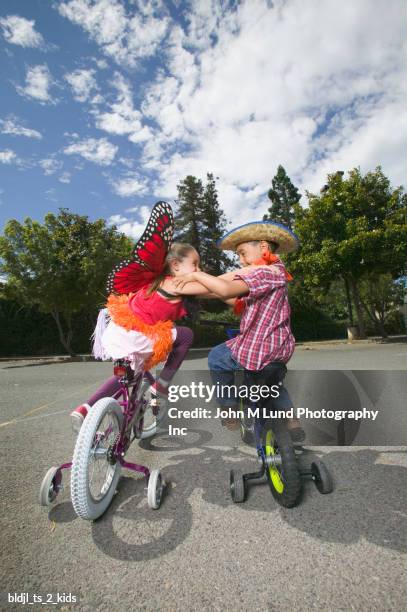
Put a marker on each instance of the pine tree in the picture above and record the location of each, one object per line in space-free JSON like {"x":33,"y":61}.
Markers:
{"x":214,"y":226}
{"x":283,"y":195}
{"x":200,"y":221}
{"x":188,"y":218}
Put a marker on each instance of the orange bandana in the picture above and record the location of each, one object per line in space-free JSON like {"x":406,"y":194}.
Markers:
{"x":269,"y":259}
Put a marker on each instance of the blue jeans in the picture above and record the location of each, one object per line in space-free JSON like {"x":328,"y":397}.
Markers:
{"x":223,"y":367}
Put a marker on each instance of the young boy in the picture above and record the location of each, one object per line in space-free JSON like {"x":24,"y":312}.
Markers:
{"x":265,"y":333}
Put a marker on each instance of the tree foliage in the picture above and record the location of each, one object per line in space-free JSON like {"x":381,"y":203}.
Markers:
{"x":188,"y":218}
{"x":381,"y":297}
{"x":284,"y":196}
{"x":61,"y":265}
{"x":201,"y":222}
{"x":354,"y":227}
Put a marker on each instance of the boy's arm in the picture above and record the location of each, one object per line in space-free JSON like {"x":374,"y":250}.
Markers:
{"x":192,"y":288}
{"x":230,"y":301}
{"x":198,"y":288}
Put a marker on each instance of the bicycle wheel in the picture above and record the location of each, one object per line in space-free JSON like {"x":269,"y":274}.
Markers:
{"x":50,"y":486}
{"x":94,"y":475}
{"x":282,"y":470}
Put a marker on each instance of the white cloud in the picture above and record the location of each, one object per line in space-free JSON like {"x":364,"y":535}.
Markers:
{"x":130,"y":186}
{"x":305,"y":85}
{"x":12,"y":126}
{"x":51,"y":195}
{"x":244,"y":87}
{"x":203,"y":18}
{"x":131,"y":228}
{"x":123,"y":119}
{"x":20,"y":31}
{"x":83,"y":84}
{"x":99,"y":151}
{"x":7,"y":156}
{"x":101,"y":63}
{"x":126,"y":38}
{"x":126,"y":161}
{"x":98,"y":99}
{"x":38,"y":81}
{"x":50,"y":165}
{"x":65,"y":177}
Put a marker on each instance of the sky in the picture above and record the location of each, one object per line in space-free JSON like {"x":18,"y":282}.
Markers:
{"x":105,"y":105}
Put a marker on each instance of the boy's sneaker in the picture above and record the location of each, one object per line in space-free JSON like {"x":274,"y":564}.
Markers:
{"x":78,"y":416}
{"x":296,"y":431}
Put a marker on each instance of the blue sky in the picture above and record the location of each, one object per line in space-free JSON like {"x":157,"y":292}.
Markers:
{"x":106,"y":105}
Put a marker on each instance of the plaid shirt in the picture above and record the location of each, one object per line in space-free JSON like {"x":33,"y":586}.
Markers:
{"x":265,"y":333}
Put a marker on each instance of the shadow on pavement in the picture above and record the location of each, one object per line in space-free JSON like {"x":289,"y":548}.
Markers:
{"x":368,"y":501}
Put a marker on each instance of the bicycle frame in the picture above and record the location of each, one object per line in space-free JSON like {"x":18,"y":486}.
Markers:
{"x":131,"y":406}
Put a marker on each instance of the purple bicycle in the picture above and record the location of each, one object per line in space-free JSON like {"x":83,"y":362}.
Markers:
{"x":103,"y":440}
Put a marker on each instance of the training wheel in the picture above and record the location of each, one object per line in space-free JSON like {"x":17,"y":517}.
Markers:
{"x":321,"y":477}
{"x":237,"y":487}
{"x":155,"y":489}
{"x":50,"y":486}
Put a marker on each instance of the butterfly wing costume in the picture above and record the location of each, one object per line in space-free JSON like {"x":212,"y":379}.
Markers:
{"x":149,"y":254}
{"x":125,"y":331}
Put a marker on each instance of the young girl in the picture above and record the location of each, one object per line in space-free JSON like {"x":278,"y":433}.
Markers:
{"x":141,"y":329}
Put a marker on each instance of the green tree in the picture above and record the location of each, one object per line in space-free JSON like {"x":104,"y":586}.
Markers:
{"x":188,"y":218}
{"x":381,"y":297}
{"x":284,"y":196}
{"x":200,"y":221}
{"x":61,"y":265}
{"x":215,"y":261}
{"x":353,"y":227}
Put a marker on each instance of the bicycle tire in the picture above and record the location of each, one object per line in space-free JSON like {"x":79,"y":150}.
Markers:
{"x":85,"y":505}
{"x":285,"y":480}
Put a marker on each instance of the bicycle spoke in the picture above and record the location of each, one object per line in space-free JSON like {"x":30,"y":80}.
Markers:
{"x":100,"y":471}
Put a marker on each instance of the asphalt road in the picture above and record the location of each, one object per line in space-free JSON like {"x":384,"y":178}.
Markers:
{"x":336,"y":356}
{"x":344,"y":551}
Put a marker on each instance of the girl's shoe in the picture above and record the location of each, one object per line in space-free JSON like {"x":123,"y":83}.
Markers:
{"x":158,"y":400}
{"x":156,"y":397}
{"x":78,"y":416}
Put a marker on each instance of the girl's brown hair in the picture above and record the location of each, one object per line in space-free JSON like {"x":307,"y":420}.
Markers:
{"x":177,"y":252}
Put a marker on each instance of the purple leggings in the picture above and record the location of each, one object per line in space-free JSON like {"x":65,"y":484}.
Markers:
{"x":180,"y":348}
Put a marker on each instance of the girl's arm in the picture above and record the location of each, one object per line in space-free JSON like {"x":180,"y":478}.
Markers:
{"x":224,"y":289}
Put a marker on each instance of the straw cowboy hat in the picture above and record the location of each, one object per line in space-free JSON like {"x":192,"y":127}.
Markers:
{"x":271,"y":231}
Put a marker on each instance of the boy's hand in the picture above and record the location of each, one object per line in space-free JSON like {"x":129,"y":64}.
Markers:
{"x":181,"y":281}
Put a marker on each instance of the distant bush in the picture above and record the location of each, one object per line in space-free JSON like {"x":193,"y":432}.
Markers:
{"x":26,"y":331}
